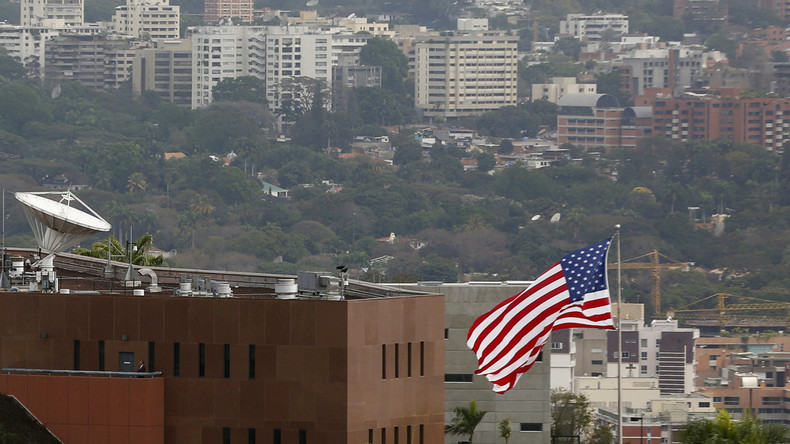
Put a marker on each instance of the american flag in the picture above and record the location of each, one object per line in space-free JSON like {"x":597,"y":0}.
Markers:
{"x":572,"y":293}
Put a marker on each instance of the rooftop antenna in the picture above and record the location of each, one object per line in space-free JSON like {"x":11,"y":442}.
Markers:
{"x":57,"y":225}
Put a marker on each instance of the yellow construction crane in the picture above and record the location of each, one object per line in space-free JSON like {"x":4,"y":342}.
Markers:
{"x":655,"y":263}
{"x":722,"y":308}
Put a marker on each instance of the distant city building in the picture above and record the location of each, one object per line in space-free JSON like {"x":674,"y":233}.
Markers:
{"x":708,"y":12}
{"x":469,"y":24}
{"x":147,"y":19}
{"x":165,"y":69}
{"x":526,"y":404}
{"x":465,"y":73}
{"x":674,"y":68}
{"x":51,"y":13}
{"x":759,"y":121}
{"x":590,"y":121}
{"x":559,"y":86}
{"x":84,"y":58}
{"x":228,"y":9}
{"x":591,"y":28}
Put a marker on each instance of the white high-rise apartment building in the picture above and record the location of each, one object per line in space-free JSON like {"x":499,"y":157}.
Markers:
{"x":222,"y":52}
{"x":461,"y":74}
{"x":589,"y":28}
{"x":51,"y":13}
{"x":154,"y":19}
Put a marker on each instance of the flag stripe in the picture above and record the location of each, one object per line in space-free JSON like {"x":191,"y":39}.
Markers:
{"x":572,"y":293}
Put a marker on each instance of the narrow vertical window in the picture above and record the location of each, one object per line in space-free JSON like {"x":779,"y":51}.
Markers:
{"x":226,"y":435}
{"x":396,"y":437}
{"x":408,"y":359}
{"x":422,"y":434}
{"x":176,"y":359}
{"x":370,"y":436}
{"x":201,"y":360}
{"x":76,"y":354}
{"x":383,"y":361}
{"x":384,"y":436}
{"x":408,"y":435}
{"x":151,"y":356}
{"x":226,"y":362}
{"x":101,"y":356}
{"x":250,"y":436}
{"x":302,"y":436}
{"x":422,"y":358}
{"x":252,"y":361}
{"x":277,"y":437}
{"x":396,"y":361}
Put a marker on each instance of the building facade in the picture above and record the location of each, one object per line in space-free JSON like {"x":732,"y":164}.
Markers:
{"x":165,"y":69}
{"x":465,"y":73}
{"x":759,"y":121}
{"x":229,"y":9}
{"x":560,"y":86}
{"x":251,"y":367}
{"x":145,"y":19}
{"x":526,"y":404}
{"x":591,"y":28}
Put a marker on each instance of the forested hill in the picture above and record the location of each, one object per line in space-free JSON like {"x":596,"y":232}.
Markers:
{"x":467,"y":223}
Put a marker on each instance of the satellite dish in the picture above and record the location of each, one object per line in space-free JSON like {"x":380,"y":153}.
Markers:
{"x":535,"y":217}
{"x":55,"y":92}
{"x":555,"y":218}
{"x":58,"y":225}
{"x":312,"y":3}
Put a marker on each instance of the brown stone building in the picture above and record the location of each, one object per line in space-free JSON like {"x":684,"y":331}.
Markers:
{"x":368,"y":368}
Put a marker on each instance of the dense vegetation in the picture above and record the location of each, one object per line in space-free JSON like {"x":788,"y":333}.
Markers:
{"x":470,"y":222}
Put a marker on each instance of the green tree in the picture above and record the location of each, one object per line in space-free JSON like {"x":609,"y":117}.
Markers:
{"x":235,"y":89}
{"x":138,"y":252}
{"x":505,"y":430}
{"x":394,"y":64}
{"x":21,"y":105}
{"x":570,"y":46}
{"x":723,"y":429}
{"x":465,"y":421}
{"x":571,"y":414}
{"x":485,"y":161}
{"x":505,"y":147}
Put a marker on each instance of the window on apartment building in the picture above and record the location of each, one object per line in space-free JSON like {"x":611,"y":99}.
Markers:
{"x":732,"y":400}
{"x":531,"y":427}
{"x":704,"y":404}
{"x":408,"y":360}
{"x":643,"y":370}
{"x":597,"y":362}
{"x":643,"y":342}
{"x":383,"y":361}
{"x":643,"y":356}
{"x":556,"y":345}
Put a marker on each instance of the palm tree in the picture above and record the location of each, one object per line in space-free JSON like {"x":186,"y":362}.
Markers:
{"x":136,"y":182}
{"x":723,"y":429}
{"x":112,"y":249}
{"x":505,"y":431}
{"x":466,"y":421}
{"x":201,"y":205}
{"x":188,"y":220}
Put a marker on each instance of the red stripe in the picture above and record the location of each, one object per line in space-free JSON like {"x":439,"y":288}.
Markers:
{"x":528,"y":329}
{"x":512,"y":301}
{"x":528,"y":311}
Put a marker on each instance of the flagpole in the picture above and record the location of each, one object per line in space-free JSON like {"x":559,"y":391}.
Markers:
{"x":619,"y":346}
